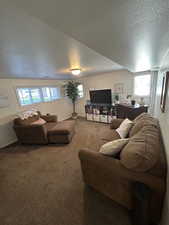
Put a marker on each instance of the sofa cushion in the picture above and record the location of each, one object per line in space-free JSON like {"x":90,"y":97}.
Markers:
{"x":115,"y":123}
{"x":142,"y":121}
{"x":142,"y":115}
{"x":111,"y":148}
{"x":110,"y":135}
{"x":115,"y":135}
{"x":139,"y":125}
{"x":63,"y":127}
{"x":142,"y":151}
{"x":124,"y":128}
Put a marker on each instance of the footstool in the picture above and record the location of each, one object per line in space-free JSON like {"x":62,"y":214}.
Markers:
{"x":62,"y":132}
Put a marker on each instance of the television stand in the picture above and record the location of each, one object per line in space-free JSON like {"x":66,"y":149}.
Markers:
{"x":103,"y":113}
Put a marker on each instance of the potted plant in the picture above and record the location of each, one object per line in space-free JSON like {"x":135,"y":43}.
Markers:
{"x":116,"y":97}
{"x":71,"y":90}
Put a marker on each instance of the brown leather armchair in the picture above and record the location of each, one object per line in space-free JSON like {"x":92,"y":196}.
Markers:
{"x":43,"y":129}
{"x":29,"y":133}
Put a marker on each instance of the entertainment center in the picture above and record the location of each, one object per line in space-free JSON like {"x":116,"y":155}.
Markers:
{"x":100,"y":113}
{"x":102,"y":110}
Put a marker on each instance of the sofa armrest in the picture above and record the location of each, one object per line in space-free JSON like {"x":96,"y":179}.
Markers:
{"x":31,"y":133}
{"x":49,"y":118}
{"x":115,"y":168}
{"x":115,"y":123}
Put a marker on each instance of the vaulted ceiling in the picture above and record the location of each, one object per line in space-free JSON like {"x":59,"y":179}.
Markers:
{"x":47,"y":38}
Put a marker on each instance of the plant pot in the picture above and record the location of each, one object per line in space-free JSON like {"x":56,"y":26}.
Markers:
{"x":74,"y":116}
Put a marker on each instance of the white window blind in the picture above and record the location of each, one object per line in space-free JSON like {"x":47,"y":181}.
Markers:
{"x":24,"y":96}
{"x":35,"y":95}
{"x":50,"y":93}
{"x":32,"y":95}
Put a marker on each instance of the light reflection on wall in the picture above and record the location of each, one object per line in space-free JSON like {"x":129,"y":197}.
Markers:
{"x":143,"y":62}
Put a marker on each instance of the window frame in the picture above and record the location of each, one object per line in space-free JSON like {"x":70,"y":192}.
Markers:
{"x":41,"y":94}
{"x":141,"y":75}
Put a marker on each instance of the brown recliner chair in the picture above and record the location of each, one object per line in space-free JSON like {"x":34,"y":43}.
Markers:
{"x":43,"y":129}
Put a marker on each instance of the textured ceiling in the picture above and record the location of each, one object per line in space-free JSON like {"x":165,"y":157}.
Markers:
{"x":133,"y":33}
{"x":30,"y":48}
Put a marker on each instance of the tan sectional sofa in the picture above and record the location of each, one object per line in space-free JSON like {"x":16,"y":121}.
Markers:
{"x":141,"y":160}
{"x":44,"y":129}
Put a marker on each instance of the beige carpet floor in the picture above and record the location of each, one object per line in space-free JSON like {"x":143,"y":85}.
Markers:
{"x":42,"y":185}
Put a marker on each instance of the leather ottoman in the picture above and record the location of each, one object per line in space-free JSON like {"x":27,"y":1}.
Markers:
{"x":62,"y":132}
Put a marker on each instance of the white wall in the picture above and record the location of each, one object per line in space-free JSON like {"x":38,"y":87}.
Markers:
{"x":61,"y":107}
{"x":104,"y":81}
{"x":164,"y":124}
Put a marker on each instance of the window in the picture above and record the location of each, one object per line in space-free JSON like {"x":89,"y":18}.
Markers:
{"x":35,"y":95}
{"x":24,"y":96}
{"x":50,"y":93}
{"x":46,"y":94}
{"x":142,"y":85}
{"x":55,"y":93}
{"x":80,"y":90}
{"x":32,"y":95}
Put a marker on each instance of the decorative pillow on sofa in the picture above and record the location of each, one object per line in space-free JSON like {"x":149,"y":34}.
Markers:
{"x":142,"y":151}
{"x":40,"y":121}
{"x":124,"y":128}
{"x":113,"y":147}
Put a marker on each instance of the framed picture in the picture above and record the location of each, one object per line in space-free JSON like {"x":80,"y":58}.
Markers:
{"x":119,"y":88}
{"x":164,"y":91}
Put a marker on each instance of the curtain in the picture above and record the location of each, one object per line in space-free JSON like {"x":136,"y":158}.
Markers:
{"x":154,"y":76}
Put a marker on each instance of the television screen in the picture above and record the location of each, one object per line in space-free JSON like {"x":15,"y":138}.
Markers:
{"x":101,"y":96}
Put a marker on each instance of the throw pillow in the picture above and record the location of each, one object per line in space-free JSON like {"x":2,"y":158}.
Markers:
{"x":124,"y":128}
{"x":113,"y":147}
{"x":40,"y":121}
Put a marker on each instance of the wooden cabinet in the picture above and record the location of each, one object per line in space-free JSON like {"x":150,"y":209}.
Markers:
{"x":129,"y":111}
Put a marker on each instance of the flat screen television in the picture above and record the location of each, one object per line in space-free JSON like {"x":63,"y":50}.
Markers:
{"x":101,"y":96}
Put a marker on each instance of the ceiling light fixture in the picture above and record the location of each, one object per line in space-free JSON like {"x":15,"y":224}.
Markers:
{"x":76,"y":71}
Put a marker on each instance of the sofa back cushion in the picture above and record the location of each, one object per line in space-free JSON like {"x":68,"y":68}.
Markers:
{"x":141,"y":116}
{"x":143,"y":150}
{"x":141,"y":121}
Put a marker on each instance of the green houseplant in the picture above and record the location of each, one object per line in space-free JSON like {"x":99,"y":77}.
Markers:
{"x":71,"y":90}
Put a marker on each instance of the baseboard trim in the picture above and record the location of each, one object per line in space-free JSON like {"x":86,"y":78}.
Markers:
{"x":8,"y":144}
